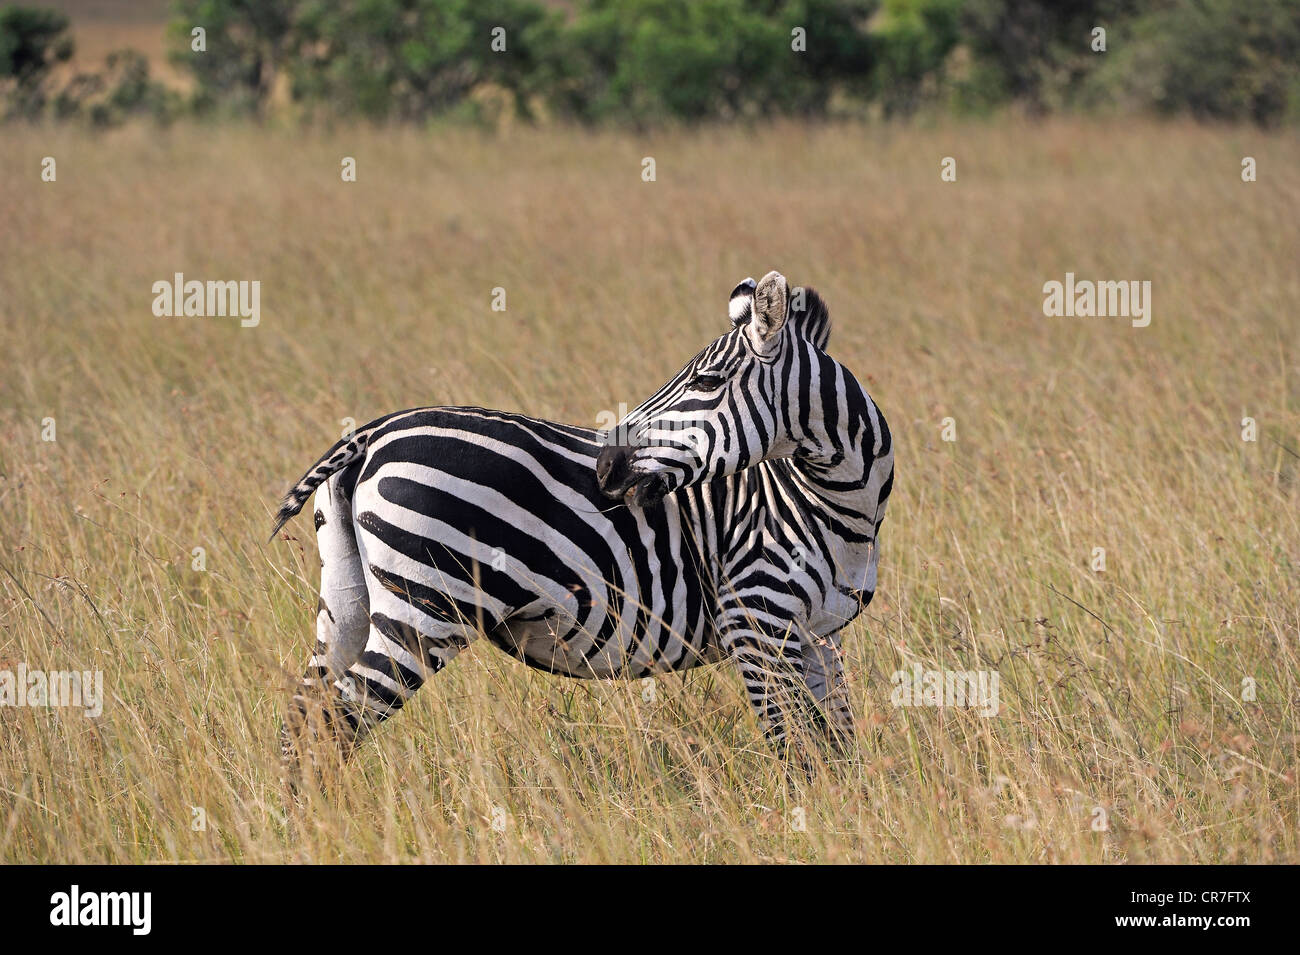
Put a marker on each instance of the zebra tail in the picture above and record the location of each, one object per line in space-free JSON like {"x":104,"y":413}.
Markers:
{"x":343,"y":453}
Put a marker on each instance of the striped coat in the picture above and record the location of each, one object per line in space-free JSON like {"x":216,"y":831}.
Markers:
{"x":741,"y":527}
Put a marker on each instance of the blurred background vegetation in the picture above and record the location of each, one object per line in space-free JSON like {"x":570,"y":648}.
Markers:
{"x":643,"y":62}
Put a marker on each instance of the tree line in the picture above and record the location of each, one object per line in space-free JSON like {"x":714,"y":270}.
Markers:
{"x":643,"y":62}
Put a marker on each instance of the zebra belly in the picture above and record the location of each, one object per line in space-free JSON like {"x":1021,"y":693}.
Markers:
{"x":552,"y":642}
{"x":547,"y":645}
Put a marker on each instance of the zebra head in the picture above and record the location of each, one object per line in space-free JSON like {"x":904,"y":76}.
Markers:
{"x":736,"y":403}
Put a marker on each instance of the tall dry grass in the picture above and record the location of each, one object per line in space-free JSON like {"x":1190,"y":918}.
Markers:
{"x":1122,"y":691}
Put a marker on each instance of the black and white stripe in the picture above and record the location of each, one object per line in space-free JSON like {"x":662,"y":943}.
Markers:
{"x":732,"y":515}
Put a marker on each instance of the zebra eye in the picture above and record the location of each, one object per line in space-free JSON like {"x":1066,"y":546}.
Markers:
{"x":704,"y":382}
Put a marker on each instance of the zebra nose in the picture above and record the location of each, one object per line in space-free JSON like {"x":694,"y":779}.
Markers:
{"x":614,"y":470}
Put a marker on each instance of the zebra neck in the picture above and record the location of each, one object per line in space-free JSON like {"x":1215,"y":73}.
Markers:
{"x":838,"y":495}
{"x":833,"y":466}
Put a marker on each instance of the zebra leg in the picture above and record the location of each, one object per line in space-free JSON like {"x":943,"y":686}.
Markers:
{"x":771,"y":664}
{"x":823,"y":673}
{"x":342,"y":622}
{"x":405,"y":646}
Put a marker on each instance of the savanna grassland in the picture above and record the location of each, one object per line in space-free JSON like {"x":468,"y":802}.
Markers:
{"x":1128,"y":730}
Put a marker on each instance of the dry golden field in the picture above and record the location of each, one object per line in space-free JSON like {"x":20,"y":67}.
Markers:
{"x":1127,"y":730}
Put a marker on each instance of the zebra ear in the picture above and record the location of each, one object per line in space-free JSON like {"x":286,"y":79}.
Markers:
{"x":771,"y":307}
{"x":741,"y":305}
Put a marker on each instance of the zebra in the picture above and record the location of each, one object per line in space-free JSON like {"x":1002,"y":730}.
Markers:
{"x":734,"y":515}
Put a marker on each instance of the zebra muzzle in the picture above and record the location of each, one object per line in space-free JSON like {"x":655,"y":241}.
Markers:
{"x":614,"y":470}
{"x":617,"y":480}
{"x":648,"y":491}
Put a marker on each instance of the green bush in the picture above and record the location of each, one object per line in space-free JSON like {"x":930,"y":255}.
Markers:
{"x":407,"y":59}
{"x":637,"y":60}
{"x":653,"y":59}
{"x":913,"y":39}
{"x":31,"y":43}
{"x":247,"y":43}
{"x":123,"y":90}
{"x":1212,"y":59}
{"x":646,"y":61}
{"x":1037,"y":52}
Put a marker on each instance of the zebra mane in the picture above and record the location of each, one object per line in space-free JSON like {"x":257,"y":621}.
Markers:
{"x":812,"y":321}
